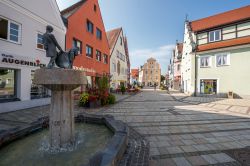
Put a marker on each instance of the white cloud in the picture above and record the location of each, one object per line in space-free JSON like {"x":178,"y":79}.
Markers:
{"x":162,"y":54}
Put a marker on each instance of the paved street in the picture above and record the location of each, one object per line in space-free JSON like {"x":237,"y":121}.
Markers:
{"x":179,"y":133}
{"x":185,"y":134}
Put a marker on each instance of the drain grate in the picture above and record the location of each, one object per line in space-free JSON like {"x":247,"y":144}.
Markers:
{"x":241,"y":155}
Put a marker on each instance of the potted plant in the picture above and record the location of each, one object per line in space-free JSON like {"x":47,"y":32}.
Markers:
{"x":93,"y":101}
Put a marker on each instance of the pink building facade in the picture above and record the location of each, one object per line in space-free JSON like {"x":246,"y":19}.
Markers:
{"x":177,"y":66}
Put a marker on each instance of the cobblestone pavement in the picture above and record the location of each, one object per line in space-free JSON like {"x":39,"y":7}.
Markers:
{"x":241,"y":106}
{"x":185,"y":134}
{"x":178,"y":133}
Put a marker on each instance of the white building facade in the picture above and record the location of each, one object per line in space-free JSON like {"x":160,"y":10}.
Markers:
{"x":141,"y":76}
{"x":188,"y":62}
{"x":23,"y":23}
{"x":118,"y":59}
{"x":216,"y":55}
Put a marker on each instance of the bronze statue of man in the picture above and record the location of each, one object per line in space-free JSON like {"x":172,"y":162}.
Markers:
{"x":50,"y":45}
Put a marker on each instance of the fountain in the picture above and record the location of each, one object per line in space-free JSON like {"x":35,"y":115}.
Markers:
{"x":61,"y":82}
{"x":91,"y":146}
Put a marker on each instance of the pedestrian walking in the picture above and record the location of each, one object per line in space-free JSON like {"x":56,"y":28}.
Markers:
{"x":155,"y":86}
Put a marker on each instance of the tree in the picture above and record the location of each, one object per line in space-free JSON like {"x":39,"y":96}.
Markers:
{"x":162,"y":78}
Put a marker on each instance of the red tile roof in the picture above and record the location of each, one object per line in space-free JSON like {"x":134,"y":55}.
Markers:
{"x":135,"y":73}
{"x":126,"y":50}
{"x":223,"y":44}
{"x":221,"y":19}
{"x":112,"y":36}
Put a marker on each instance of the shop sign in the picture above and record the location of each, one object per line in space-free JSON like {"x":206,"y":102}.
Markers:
{"x":18,"y":60}
{"x":84,"y":69}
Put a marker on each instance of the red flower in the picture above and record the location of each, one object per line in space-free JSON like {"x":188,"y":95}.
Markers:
{"x":92,"y":98}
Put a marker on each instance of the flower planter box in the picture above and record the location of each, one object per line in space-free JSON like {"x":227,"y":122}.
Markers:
{"x":95,"y":104}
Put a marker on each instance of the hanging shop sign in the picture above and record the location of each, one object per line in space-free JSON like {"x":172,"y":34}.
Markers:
{"x":18,"y":60}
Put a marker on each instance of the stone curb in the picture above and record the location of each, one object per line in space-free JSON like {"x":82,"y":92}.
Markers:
{"x":116,"y":147}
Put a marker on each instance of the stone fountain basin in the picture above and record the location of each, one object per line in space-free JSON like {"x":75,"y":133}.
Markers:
{"x":109,"y":156}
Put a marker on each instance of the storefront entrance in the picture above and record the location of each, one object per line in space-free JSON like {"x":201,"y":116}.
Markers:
{"x":208,"y":86}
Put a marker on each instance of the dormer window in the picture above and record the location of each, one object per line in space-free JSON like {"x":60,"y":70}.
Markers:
{"x":215,"y":36}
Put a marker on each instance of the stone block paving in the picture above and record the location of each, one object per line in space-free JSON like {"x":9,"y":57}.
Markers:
{"x":181,"y":133}
{"x":241,"y":106}
{"x":166,"y":131}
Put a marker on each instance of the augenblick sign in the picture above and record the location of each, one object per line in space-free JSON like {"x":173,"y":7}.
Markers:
{"x":23,"y":61}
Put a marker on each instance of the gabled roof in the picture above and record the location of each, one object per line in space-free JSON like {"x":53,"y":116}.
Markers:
{"x":72,"y":9}
{"x":151,"y":59}
{"x":113,"y":36}
{"x":126,"y":50}
{"x":228,"y":17}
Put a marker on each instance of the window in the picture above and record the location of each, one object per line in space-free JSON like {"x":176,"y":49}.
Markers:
{"x":37,"y":91}
{"x":98,"y":34}
{"x":7,"y":84}
{"x":90,"y":26}
{"x":223,"y":59}
{"x":89,"y":51}
{"x":117,"y":54}
{"x":9,"y":30}
{"x":95,"y":8}
{"x":204,"y":61}
{"x":121,"y":41}
{"x":39,"y":42}
{"x":98,"y":55}
{"x":214,"y":35}
{"x":118,"y":67}
{"x":178,"y":67}
{"x":4,"y":29}
{"x":77,"y":44}
{"x":114,"y":66}
{"x":208,"y":86}
{"x":105,"y":57}
{"x":14,"y":32}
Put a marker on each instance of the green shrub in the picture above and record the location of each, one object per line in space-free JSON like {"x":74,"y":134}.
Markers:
{"x":104,"y":101}
{"x":103,"y":83}
{"x":123,"y":89}
{"x":111,"y":99}
{"x":84,"y":98}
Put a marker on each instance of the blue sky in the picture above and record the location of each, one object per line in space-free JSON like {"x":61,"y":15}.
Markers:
{"x":153,"y":26}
